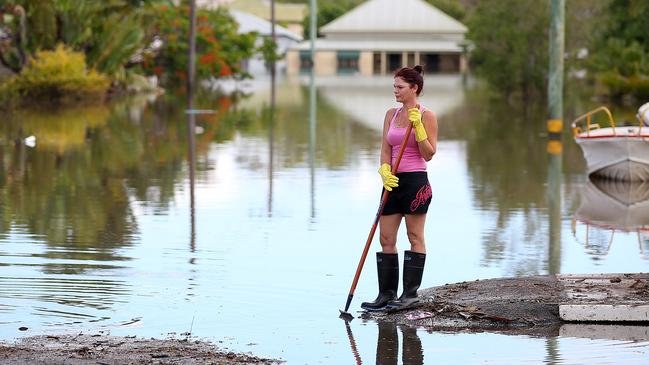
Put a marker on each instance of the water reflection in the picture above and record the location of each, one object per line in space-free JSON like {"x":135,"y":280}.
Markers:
{"x":505,"y":185}
{"x":632,"y":334}
{"x":365,"y":99}
{"x":271,"y":147}
{"x":610,"y":206}
{"x":75,"y":195}
{"x":312,"y":138}
{"x":191,"y":157}
{"x":552,"y":353}
{"x":271,"y":112}
{"x":59,"y":130}
{"x":387,"y":345}
{"x":554,"y":206}
{"x":352,"y":343}
{"x":137,"y":213}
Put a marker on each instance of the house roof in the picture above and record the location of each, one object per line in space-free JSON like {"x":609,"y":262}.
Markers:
{"x":251,"y":23}
{"x":390,"y":16}
{"x":289,"y":13}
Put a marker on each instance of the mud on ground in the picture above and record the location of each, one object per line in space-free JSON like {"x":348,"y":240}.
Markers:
{"x":528,"y":305}
{"x":110,"y":350}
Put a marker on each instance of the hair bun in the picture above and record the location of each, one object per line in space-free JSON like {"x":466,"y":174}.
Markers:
{"x":419,"y":69}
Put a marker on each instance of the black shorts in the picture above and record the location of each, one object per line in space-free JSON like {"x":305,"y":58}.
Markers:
{"x":412,"y":196}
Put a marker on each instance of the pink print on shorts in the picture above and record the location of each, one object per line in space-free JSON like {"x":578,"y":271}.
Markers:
{"x":422,"y":196}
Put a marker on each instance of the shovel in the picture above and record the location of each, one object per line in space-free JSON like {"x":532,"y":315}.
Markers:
{"x":344,"y":314}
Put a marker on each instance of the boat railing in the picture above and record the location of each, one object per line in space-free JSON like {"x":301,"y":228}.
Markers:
{"x":579,"y":127}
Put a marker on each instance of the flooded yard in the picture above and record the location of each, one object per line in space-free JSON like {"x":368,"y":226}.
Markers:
{"x":248,"y":234}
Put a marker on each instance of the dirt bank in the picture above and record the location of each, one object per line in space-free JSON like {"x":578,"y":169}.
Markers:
{"x":109,"y":350}
{"x":528,"y":305}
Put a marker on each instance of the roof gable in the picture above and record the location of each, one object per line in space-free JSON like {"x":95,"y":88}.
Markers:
{"x":286,"y":12}
{"x":283,"y":11}
{"x":252,"y":23}
{"x":403,"y":16}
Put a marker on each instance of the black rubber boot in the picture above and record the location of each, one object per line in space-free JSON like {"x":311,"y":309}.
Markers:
{"x":413,"y":270}
{"x":387,"y":265}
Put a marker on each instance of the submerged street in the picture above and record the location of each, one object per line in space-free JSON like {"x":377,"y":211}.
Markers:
{"x":104,"y":228}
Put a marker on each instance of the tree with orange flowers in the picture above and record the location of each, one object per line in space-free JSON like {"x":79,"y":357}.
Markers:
{"x":220,"y":49}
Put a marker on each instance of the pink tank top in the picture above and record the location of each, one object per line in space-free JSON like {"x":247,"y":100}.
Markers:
{"x":411,"y":160}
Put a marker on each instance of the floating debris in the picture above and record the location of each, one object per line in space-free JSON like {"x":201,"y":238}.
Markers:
{"x":417,"y":315}
{"x":30,"y":141}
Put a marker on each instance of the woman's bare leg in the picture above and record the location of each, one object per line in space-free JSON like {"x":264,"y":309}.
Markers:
{"x":415,"y":226}
{"x":388,"y":228}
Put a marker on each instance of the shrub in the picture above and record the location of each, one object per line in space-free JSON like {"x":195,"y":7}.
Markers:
{"x":8,"y":93}
{"x":59,"y":75}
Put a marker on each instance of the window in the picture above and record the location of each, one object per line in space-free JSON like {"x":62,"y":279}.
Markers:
{"x":376,"y":61}
{"x":347,"y":62}
{"x":431,"y":62}
{"x":394,"y":61}
{"x":305,"y":61}
{"x":449,"y":63}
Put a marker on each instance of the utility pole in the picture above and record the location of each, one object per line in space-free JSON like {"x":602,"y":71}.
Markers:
{"x":191,"y":70}
{"x":273,"y":102}
{"x":555,"y":128}
{"x":272,"y":62}
{"x":312,"y":105}
{"x":191,"y":126}
{"x":555,"y":82}
{"x":312,"y":29}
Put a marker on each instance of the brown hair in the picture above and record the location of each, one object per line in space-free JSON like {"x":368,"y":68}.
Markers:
{"x":413,"y":76}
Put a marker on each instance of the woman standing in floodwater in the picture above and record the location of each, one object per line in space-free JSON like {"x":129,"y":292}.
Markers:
{"x":410,"y":192}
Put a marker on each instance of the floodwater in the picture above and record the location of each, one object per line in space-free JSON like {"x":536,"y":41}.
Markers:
{"x":248,"y":232}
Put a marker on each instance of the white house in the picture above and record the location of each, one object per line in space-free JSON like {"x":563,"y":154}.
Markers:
{"x":290,"y":15}
{"x":249,"y":22}
{"x":284,"y":37}
{"x":380,"y":36}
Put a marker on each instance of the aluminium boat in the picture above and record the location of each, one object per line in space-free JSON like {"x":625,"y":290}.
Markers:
{"x":614,"y":151}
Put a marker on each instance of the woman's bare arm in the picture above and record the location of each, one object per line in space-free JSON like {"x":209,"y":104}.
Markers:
{"x":386,"y":149}
{"x":428,"y":147}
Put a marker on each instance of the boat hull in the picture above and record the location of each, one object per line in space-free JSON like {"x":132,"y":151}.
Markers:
{"x":623,"y":155}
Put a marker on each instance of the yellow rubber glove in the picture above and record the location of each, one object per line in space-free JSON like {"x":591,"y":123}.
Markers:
{"x":389,"y":181}
{"x":414,"y":116}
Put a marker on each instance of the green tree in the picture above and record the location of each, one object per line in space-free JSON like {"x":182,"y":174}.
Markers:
{"x":90,"y":26}
{"x":452,"y":8}
{"x":628,"y":21}
{"x":620,"y":58}
{"x":42,"y":24}
{"x":511,"y":45}
{"x":327,"y":12}
{"x":13,"y":27}
{"x":219,"y":47}
{"x":82,"y":25}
